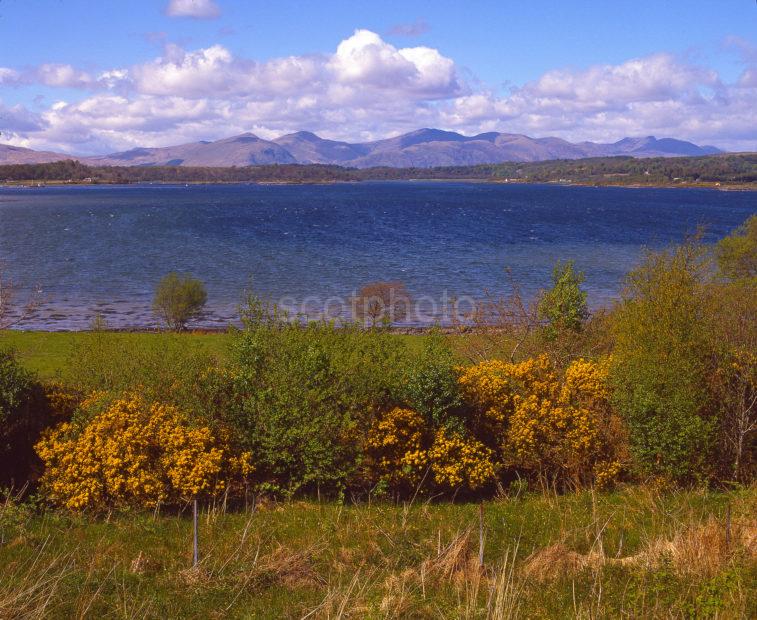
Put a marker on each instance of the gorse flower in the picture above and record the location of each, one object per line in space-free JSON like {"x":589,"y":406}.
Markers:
{"x":544,"y":424}
{"x":134,"y":454}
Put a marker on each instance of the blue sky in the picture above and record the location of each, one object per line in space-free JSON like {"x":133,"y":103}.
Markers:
{"x":88,"y":77}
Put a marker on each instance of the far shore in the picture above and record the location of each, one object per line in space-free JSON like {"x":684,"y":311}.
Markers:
{"x":736,"y":187}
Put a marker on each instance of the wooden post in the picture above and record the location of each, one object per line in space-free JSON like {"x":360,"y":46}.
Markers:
{"x":481,"y":534}
{"x":196,"y":540}
{"x":728,"y":528}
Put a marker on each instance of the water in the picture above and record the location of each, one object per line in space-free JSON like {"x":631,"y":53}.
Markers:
{"x":101,"y":249}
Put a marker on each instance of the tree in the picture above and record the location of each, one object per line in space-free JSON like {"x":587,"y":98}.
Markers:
{"x":662,"y":362}
{"x":733,"y":321}
{"x":563,"y":307}
{"x":179,"y":299}
{"x":19,"y":425}
{"x":737,"y":253}
{"x":381,"y":303}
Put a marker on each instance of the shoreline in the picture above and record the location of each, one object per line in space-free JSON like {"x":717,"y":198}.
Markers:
{"x":736,"y":187}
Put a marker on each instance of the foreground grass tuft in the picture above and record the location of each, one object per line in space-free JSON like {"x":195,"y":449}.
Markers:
{"x":634,"y":553}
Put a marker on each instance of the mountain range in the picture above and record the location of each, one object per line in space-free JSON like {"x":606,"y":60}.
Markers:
{"x":423,"y":148}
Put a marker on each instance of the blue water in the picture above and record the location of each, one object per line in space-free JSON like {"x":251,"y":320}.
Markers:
{"x":101,"y":249}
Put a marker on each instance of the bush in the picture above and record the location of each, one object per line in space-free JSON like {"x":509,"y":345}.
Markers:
{"x":307,"y":396}
{"x":459,"y":461}
{"x":662,"y":363}
{"x":396,"y":447}
{"x":22,"y":418}
{"x":381,"y":303}
{"x":135,"y":454}
{"x":430,"y":383}
{"x":559,"y":430}
{"x":563,"y":307}
{"x":566,"y":432}
{"x":737,"y":253}
{"x":165,"y":368}
{"x":179,"y":299}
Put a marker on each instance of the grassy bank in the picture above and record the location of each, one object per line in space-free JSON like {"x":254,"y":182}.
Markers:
{"x":48,"y":353}
{"x":635,"y":553}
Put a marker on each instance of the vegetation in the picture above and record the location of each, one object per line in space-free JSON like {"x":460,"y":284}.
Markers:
{"x":179,"y":299}
{"x":381,"y":303}
{"x":635,"y":553}
{"x":608,"y":447}
{"x":711,"y":170}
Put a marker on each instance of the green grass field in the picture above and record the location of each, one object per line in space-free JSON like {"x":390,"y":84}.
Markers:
{"x":634,"y":553}
{"x":47,"y":353}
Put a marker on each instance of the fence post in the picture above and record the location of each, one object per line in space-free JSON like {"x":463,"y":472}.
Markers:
{"x":481,"y":534}
{"x":196,"y":540}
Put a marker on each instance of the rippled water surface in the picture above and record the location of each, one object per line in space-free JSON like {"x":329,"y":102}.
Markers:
{"x":101,"y":249}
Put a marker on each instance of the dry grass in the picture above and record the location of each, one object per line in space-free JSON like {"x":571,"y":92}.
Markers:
{"x":641,"y":553}
{"x":40,"y":579}
{"x":696,"y":549}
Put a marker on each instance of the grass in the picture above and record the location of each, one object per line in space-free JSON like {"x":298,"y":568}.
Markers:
{"x":48,"y":353}
{"x":632,"y":553}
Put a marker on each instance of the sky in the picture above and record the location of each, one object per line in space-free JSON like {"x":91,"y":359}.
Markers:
{"x":87,"y":77}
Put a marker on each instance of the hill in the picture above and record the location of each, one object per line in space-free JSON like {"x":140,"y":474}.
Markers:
{"x":423,"y":148}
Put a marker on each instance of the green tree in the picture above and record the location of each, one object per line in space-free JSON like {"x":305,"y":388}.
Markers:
{"x":563,"y":307}
{"x":178,"y":300}
{"x":662,"y":362}
{"x":20,"y":424}
{"x":430,"y":385}
{"x":737,"y":253}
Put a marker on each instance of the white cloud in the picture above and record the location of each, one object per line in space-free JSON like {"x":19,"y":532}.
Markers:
{"x":367,"y":88}
{"x":198,"y":9}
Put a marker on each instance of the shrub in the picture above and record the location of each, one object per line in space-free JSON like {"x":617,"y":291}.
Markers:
{"x":661,"y":364}
{"x":22,"y":418}
{"x":493,"y":389}
{"x":396,"y":448}
{"x":458,"y":461}
{"x":430,"y":383}
{"x":566,"y":432}
{"x":292,"y":413}
{"x":563,"y":307}
{"x":164,"y":367}
{"x":737,"y":253}
{"x":134,"y":454}
{"x":179,"y":299}
{"x":557,"y":429}
{"x":306,"y":396}
{"x":381,"y":303}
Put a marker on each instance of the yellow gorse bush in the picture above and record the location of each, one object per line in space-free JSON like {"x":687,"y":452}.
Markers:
{"x":133,"y":453}
{"x":494,"y":387}
{"x":557,"y":427}
{"x":405,"y":451}
{"x":460,"y":462}
{"x":395,"y":445}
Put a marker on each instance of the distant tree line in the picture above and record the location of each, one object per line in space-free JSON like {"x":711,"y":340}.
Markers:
{"x":735,"y":169}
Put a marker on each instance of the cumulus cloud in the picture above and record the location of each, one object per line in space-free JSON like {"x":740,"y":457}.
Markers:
{"x":367,"y":89}
{"x":197,"y":9}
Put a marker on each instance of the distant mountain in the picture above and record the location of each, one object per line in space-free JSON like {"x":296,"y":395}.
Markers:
{"x":667,"y":147}
{"x":307,"y":148}
{"x":423,"y":148}
{"x":19,"y":155}
{"x":243,"y":150}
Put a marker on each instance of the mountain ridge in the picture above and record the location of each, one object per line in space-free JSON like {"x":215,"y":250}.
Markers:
{"x":422,"y":148}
